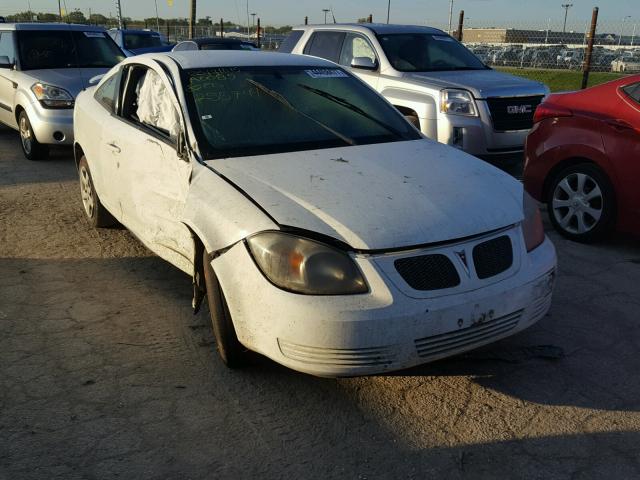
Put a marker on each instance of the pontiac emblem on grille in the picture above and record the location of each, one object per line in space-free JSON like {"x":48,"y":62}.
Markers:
{"x":462,"y":256}
{"x":519,"y":109}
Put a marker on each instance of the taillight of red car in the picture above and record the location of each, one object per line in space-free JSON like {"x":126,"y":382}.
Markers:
{"x":550,"y":110}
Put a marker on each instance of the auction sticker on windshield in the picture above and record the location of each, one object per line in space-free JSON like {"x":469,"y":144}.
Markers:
{"x":326,"y":73}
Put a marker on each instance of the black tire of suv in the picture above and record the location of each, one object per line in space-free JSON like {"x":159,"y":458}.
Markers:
{"x":97,"y":216}
{"x":32,"y":149}
{"x":231,"y":351}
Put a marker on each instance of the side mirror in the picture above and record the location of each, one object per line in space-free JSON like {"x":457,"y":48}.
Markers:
{"x":182,"y":148}
{"x":364,"y":63}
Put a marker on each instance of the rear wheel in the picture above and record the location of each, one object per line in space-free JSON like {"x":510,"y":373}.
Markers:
{"x":96,"y":214}
{"x":32,"y":149}
{"x":231,"y":351}
{"x":582,"y":203}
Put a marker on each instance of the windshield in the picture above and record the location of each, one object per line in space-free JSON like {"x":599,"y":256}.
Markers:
{"x":261,"y":110}
{"x":421,"y":52}
{"x":45,"y":49}
{"x":134,"y":41}
{"x":221,"y":46}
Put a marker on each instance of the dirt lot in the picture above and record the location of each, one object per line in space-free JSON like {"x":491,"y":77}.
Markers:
{"x":105,"y":373}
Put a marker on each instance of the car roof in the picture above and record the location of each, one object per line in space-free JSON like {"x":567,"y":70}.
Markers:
{"x":218,"y":40}
{"x":50,"y":26}
{"x":377,"y":28}
{"x":136,"y":30}
{"x":238,"y":58}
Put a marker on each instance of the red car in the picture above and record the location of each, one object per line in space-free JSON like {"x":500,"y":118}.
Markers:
{"x":583,"y":159}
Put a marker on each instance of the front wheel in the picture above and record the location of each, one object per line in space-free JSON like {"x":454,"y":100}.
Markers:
{"x":32,"y":149}
{"x":96,"y":214}
{"x":582,"y":203}
{"x":231,"y":351}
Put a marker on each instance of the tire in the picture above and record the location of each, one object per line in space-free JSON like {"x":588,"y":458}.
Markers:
{"x":581,"y":203}
{"x":32,"y":149}
{"x":231,"y":351}
{"x":97,"y":215}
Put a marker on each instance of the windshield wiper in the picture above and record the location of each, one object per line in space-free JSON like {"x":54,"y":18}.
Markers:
{"x":352,"y":107}
{"x":277,"y":96}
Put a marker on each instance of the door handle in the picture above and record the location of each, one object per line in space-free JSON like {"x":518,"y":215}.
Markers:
{"x":114,"y":148}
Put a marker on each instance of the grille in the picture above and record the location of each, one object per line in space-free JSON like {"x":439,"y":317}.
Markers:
{"x":493,"y":257}
{"x":428,"y":272}
{"x":467,"y":337}
{"x":348,"y":357}
{"x":513,"y":113}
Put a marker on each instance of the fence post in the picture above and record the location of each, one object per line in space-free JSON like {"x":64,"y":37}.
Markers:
{"x":460,"y":25}
{"x":221,"y":27}
{"x":306,"y":20}
{"x":586,"y":65}
{"x":370,"y":18}
{"x":258,"y":32}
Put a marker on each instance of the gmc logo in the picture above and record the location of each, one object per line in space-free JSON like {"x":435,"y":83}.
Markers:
{"x":519,"y":109}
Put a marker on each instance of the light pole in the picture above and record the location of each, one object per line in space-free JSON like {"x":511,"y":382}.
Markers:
{"x":633,"y":35}
{"x":450,"y":14}
{"x":157,"y":18}
{"x":546,"y":38}
{"x":248,"y":24}
{"x":388,"y":11}
{"x":325,"y":10}
{"x":566,"y":7}
{"x":624,"y":19}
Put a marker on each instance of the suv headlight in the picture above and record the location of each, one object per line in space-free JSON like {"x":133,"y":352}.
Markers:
{"x":305,"y":266}
{"x":52,"y":97}
{"x":532,"y":227}
{"x":458,"y":102}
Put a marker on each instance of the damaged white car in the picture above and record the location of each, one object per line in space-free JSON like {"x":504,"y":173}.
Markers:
{"x":325,"y":231}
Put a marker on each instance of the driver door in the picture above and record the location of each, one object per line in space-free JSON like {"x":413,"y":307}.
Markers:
{"x":154,"y":180}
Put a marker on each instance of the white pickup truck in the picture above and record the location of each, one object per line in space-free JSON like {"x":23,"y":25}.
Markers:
{"x":443,"y":88}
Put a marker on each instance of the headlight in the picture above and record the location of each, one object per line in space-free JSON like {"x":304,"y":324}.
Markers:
{"x":52,"y":97}
{"x":305,"y":266}
{"x":532,"y":225}
{"x":457,"y":102}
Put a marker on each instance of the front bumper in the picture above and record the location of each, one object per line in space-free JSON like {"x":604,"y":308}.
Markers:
{"x":51,"y":126}
{"x":476,"y":136}
{"x":384,"y":330}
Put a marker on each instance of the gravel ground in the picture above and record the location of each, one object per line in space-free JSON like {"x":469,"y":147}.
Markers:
{"x":105,"y":373}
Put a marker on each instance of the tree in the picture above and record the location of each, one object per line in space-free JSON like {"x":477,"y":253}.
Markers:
{"x":75,"y":17}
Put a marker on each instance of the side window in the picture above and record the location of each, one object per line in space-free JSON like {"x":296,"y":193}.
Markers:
{"x":291,"y":41}
{"x":325,"y":45}
{"x":356,"y":46}
{"x":107,"y":93}
{"x":7,"y":50}
{"x":147,"y":103}
{"x":633,"y":91}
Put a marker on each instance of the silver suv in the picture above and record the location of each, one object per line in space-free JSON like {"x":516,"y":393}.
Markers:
{"x":43,"y":67}
{"x":439,"y":85}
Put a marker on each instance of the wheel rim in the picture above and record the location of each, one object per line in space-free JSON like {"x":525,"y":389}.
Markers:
{"x":86,"y":190}
{"x":577,"y":203}
{"x":25,"y":135}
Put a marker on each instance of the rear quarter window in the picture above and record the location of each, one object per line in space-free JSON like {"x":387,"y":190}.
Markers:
{"x":291,"y":41}
{"x":633,"y":91}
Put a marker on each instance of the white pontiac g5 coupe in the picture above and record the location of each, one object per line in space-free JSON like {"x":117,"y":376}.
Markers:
{"x":324,"y":230}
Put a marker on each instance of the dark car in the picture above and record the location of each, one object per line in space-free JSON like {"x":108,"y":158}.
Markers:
{"x":583,"y":159}
{"x":137,"y":42}
{"x":214,"y":43}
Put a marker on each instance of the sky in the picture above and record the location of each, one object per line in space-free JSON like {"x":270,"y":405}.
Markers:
{"x":479,"y":13}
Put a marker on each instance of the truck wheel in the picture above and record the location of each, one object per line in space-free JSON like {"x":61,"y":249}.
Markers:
{"x":96,"y":214}
{"x":231,"y":351}
{"x":581,"y":203}
{"x":32,"y":149}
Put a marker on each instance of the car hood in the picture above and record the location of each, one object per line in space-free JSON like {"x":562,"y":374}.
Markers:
{"x":482,"y":83}
{"x":382,"y":196}
{"x":73,"y":80}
